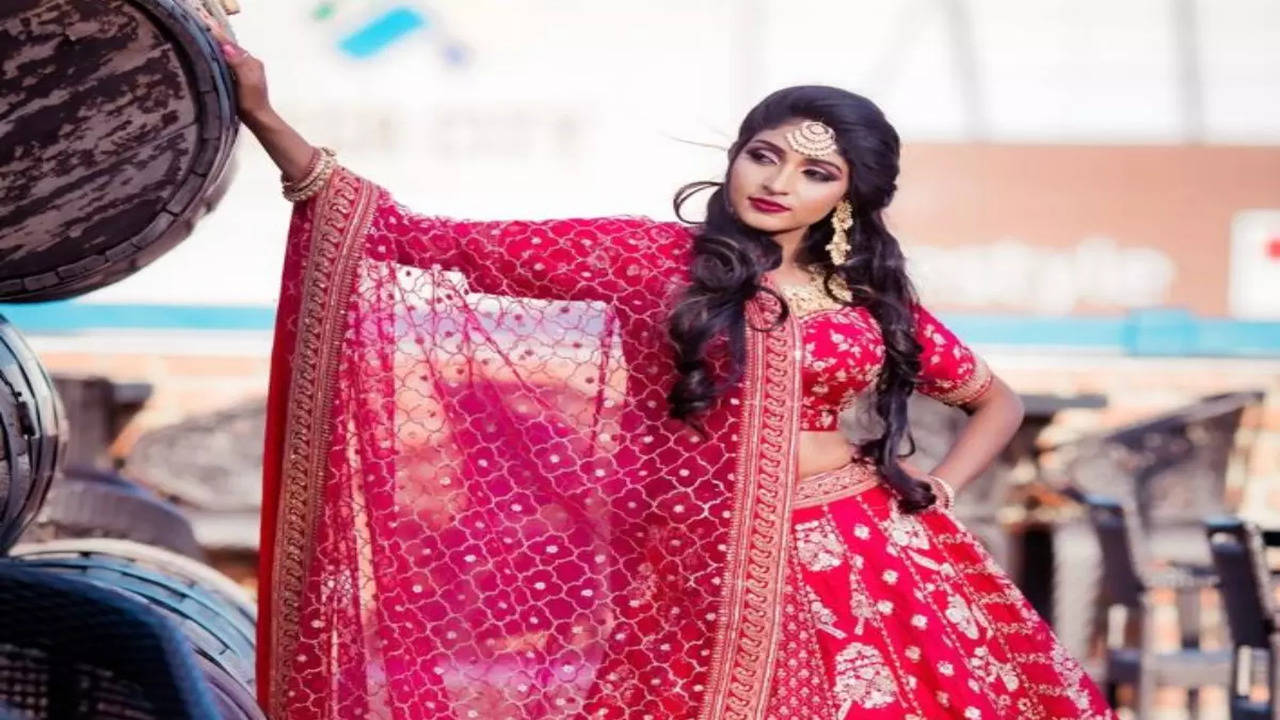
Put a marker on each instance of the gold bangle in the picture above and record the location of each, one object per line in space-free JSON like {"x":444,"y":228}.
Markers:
{"x":316,"y":182}
{"x":311,"y":180}
{"x":945,"y":493}
{"x":323,"y":157}
{"x":313,"y":164}
{"x":315,"y":167}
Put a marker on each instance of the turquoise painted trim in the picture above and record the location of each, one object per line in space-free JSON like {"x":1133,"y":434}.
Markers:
{"x":1173,"y":331}
{"x":382,"y":31}
{"x":1155,"y":332}
{"x":1148,"y":332}
{"x":70,"y":317}
{"x":1083,"y":332}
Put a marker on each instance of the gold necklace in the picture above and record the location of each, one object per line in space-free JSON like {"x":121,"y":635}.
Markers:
{"x":811,"y":297}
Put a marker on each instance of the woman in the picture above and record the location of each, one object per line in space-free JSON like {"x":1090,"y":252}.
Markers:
{"x":591,"y":468}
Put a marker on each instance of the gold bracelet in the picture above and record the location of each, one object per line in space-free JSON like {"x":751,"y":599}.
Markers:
{"x":315,"y":180}
{"x":313,"y":165}
{"x":303,"y":192}
{"x":945,"y":493}
{"x":315,"y":169}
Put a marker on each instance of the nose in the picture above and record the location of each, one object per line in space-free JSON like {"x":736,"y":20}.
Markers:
{"x":779,"y":182}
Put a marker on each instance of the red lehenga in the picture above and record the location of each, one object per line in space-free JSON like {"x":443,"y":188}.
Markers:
{"x":476,"y":507}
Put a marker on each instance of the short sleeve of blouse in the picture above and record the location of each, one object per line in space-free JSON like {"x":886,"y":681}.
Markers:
{"x":950,"y":372}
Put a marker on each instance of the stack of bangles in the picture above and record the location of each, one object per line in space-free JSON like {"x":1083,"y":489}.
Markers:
{"x":943,"y":491}
{"x":323,"y":161}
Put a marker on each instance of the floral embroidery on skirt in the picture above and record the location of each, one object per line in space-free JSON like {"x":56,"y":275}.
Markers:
{"x":914,"y":620}
{"x":817,"y":545}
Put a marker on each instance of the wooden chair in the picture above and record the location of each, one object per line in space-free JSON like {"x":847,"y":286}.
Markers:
{"x":1169,"y":471}
{"x":1238,"y":551}
{"x":1129,"y":582}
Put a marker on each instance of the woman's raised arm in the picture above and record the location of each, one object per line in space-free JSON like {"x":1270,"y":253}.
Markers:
{"x":287,"y":148}
{"x":572,"y":259}
{"x":614,"y":259}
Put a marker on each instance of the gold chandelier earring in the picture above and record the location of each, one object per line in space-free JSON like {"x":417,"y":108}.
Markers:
{"x":841,"y":222}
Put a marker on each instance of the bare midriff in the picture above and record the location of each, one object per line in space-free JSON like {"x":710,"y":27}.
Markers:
{"x":821,"y":451}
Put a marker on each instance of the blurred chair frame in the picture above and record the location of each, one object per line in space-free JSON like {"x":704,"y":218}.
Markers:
{"x":1129,"y":582}
{"x":1239,"y":556}
{"x":1169,"y":470}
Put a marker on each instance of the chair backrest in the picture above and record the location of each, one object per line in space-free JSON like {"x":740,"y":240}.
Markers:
{"x":1121,"y":576}
{"x":1170,"y":468}
{"x":71,"y":650}
{"x":1239,"y":557}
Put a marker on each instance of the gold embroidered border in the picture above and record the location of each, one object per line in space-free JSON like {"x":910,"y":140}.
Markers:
{"x":977,"y":385}
{"x":825,"y":487}
{"x":344,"y":212}
{"x":749,"y":619}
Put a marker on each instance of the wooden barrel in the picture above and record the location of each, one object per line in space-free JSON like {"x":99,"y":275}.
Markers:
{"x":32,"y":434}
{"x":159,"y":558}
{"x":215,"y":623}
{"x":235,"y":701}
{"x":117,"y":122}
{"x":103,"y":505}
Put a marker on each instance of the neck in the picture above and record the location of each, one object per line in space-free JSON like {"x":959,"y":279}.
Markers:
{"x":790,"y":241}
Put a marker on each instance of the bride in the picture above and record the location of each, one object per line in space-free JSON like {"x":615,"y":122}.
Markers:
{"x":590,"y":468}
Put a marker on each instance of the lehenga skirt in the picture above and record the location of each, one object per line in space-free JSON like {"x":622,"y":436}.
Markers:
{"x":913,"y":617}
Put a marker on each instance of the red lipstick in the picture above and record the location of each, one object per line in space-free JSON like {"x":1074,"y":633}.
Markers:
{"x":767,"y":206}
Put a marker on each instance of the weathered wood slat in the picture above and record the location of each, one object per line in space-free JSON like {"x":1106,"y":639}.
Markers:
{"x":33,"y":430}
{"x":116,"y":127}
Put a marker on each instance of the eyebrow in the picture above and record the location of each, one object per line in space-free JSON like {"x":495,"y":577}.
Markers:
{"x":778,"y":149}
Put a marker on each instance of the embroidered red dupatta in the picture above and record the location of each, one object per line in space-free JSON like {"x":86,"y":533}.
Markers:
{"x":474,"y":503}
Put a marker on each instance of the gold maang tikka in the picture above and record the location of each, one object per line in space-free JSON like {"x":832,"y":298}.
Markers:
{"x":812,"y":139}
{"x":841,"y":222}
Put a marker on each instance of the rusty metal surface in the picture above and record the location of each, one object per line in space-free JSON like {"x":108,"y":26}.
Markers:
{"x":116,"y":125}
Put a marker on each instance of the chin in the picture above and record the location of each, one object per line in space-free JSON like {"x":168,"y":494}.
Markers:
{"x":764,"y":222}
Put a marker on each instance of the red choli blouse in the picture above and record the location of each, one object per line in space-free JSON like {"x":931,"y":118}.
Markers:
{"x":844,"y":351}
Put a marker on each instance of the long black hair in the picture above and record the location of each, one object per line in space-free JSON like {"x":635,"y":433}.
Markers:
{"x":730,"y":257}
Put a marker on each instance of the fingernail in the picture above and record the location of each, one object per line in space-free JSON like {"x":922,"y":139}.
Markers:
{"x":230,"y":50}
